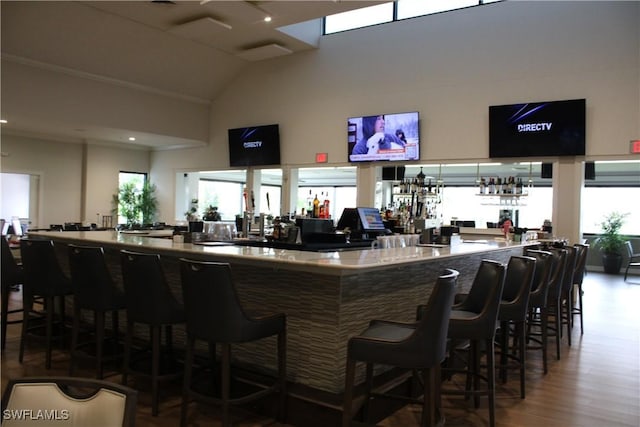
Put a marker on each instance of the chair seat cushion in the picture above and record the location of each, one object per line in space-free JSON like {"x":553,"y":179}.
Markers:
{"x":261,"y":326}
{"x":462,"y":324}
{"x":381,"y":343}
{"x":389,"y":331}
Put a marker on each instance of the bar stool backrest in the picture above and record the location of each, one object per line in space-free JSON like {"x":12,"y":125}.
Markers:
{"x":567,"y":278}
{"x":93,"y":287}
{"x":540,"y":288}
{"x":517,"y":287}
{"x":42,"y":272}
{"x":212,"y":307}
{"x":581,"y":262}
{"x":147,"y":294}
{"x":86,"y":401}
{"x":484,"y":296}
{"x":557,"y":273}
{"x":11,"y":271}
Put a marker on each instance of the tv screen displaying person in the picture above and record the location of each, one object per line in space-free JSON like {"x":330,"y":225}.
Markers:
{"x":375,"y":138}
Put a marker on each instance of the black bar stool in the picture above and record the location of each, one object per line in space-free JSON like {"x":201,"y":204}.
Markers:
{"x":93,"y":290}
{"x":538,"y":298}
{"x":149,"y":301}
{"x":474,"y":320}
{"x":566,"y":297}
{"x":43,"y":277}
{"x":578,"y":277}
{"x":215,"y":315}
{"x":539,"y":312}
{"x":12,"y":276}
{"x":513,"y":313}
{"x":418,"y":345}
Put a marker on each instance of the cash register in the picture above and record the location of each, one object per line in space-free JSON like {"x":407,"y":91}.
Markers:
{"x":363,"y":224}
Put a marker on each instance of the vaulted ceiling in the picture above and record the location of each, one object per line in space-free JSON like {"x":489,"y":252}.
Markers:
{"x":186,"y":49}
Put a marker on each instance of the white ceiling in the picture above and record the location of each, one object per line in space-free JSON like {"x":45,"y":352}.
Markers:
{"x":186,"y":49}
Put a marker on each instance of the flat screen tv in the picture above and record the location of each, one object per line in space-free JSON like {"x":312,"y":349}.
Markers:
{"x":538,"y":129}
{"x":370,"y":219}
{"x":384,"y":137}
{"x":254,"y":146}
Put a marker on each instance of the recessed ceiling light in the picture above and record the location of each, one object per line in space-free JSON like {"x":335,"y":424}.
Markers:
{"x":131,"y":138}
{"x":267,"y":19}
{"x":3,"y":121}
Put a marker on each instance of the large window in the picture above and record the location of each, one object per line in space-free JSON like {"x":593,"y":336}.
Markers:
{"x":616,"y":188}
{"x":339,"y":198}
{"x":600,"y":201}
{"x":393,"y":11}
{"x":137,"y":179}
{"x":226,"y":196}
{"x":462,"y":203}
{"x":15,"y":196}
{"x":413,"y":8}
{"x":358,"y":18}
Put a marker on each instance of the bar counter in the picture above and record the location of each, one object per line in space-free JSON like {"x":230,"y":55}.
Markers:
{"x":327,"y":296}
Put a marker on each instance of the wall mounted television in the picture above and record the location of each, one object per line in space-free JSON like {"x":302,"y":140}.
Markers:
{"x":254,"y":146}
{"x":384,"y":137}
{"x":538,"y":129}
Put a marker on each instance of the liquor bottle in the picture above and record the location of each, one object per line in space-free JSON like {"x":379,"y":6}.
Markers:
{"x":316,"y":207}
{"x":326,"y":204}
{"x":310,"y":205}
{"x":321,"y":206}
{"x":482,"y":185}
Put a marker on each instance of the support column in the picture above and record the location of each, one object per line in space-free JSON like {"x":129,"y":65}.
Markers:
{"x":369,"y":184}
{"x":568,"y":181}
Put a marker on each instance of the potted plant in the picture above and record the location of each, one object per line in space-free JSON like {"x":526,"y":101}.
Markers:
{"x":192,"y":214}
{"x":211,"y":214}
{"x":147,"y":203}
{"x":137,"y":206}
{"x":126,"y":203}
{"x":611,"y":242}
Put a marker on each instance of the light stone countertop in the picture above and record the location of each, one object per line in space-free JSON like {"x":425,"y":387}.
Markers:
{"x":334,"y":262}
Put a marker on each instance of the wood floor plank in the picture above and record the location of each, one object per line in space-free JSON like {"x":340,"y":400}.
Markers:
{"x":596,"y":382}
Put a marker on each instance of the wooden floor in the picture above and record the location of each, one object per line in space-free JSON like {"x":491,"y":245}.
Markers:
{"x":596,"y":383}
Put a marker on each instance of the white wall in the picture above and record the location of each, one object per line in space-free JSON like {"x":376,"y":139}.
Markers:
{"x":103,"y":165}
{"x":450,"y":67}
{"x":74,"y":184}
{"x":59,"y":166}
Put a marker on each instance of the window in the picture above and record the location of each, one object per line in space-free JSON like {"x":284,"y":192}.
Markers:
{"x":358,"y":18}
{"x":339,"y":198}
{"x":272,"y":193}
{"x":137,"y":179}
{"x":15,"y":196}
{"x":227,"y":196}
{"x":413,"y":8}
{"x":388,"y":12}
{"x":616,"y":188}
{"x":598,"y":202}
{"x":463,"y":204}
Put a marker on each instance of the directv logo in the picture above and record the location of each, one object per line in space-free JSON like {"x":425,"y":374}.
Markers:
{"x":534,"y":127}
{"x":252,"y":144}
